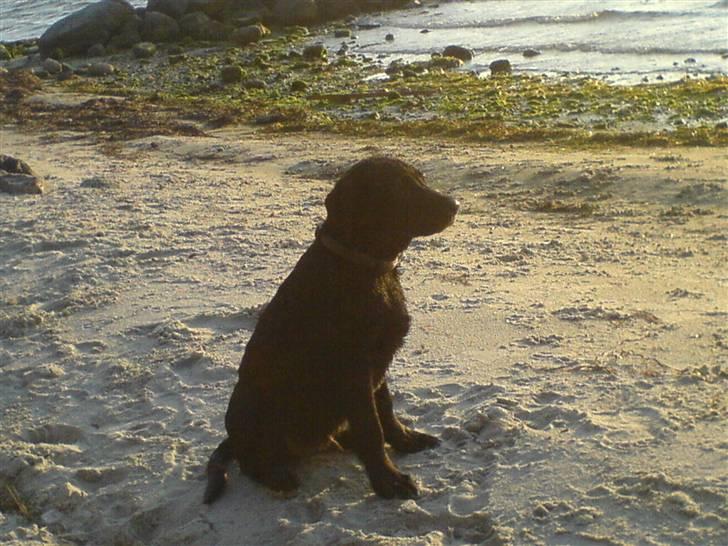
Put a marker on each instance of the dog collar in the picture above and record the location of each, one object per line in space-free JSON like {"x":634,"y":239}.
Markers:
{"x":354,"y":256}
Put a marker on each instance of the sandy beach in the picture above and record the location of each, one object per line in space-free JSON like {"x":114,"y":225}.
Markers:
{"x":569,"y":343}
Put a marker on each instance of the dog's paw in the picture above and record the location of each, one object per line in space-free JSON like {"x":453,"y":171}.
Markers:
{"x":412,"y":441}
{"x":391,"y":483}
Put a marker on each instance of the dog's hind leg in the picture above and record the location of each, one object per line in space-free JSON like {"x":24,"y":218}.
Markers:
{"x":400,"y":437}
{"x":217,"y":471}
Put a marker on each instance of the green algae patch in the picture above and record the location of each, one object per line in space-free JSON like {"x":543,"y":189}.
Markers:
{"x":278,"y":88}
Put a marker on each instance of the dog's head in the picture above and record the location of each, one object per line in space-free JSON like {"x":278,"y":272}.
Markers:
{"x":380,"y":204}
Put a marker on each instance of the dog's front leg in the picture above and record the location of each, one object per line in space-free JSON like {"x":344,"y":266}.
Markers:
{"x":367,"y":440}
{"x":400,"y":437}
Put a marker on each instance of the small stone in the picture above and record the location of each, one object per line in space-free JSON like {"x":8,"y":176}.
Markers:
{"x":20,"y":183}
{"x":254,"y":84}
{"x":500,"y":66}
{"x":101,"y":69}
{"x":144,"y":50}
{"x":690,"y":60}
{"x":389,"y":37}
{"x":52,"y":66}
{"x":315,"y":51}
{"x":342,"y":33}
{"x":722,"y":124}
{"x":249,"y":34}
{"x":298,"y":85}
{"x":528,"y":53}
{"x":231,"y":73}
{"x":459,"y":52}
{"x":96,"y":50}
{"x":425,"y":31}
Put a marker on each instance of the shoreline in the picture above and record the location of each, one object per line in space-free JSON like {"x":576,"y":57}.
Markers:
{"x":280,"y":86}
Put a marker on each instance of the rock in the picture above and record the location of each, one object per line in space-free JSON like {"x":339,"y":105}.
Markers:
{"x":500,"y":66}
{"x":173,"y":8}
{"x":691,"y":60}
{"x":4,"y":53}
{"x":298,"y":85}
{"x":144,"y":50}
{"x":213,"y":8}
{"x":51,"y":66}
{"x":389,"y":37}
{"x":101,"y":69}
{"x":96,"y":50}
{"x":98,"y":183}
{"x":337,"y":9}
{"x":9,"y":164}
{"x":528,"y":53}
{"x":158,"y":27}
{"x":314,"y":52}
{"x":199,"y":26}
{"x":231,"y":73}
{"x":296,"y":12}
{"x":129,"y":34}
{"x":342,"y":33}
{"x":722,"y":124}
{"x":254,"y":84}
{"x":248,"y":35}
{"x":17,"y":177}
{"x":20,"y":184}
{"x":459,"y":52}
{"x":96,"y":23}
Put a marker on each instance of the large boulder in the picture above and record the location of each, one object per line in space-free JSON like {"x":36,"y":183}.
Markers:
{"x":199,"y":26}
{"x":213,"y":8}
{"x":128,"y":35}
{"x":173,"y":8}
{"x":158,"y":27}
{"x":337,"y":9}
{"x":296,"y":12}
{"x":94,"y":24}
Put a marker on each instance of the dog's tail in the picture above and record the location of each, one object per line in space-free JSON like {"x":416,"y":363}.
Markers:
{"x":217,"y":471}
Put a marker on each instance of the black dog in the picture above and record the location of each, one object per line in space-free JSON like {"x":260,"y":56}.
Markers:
{"x":314,"y":368}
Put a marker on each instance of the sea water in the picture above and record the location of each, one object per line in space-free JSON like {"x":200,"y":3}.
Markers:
{"x":617,"y":40}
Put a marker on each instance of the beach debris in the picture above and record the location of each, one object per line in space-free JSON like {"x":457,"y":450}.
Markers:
{"x":17,"y":177}
{"x":500,"y":66}
{"x":528,"y":53}
{"x":158,"y":27}
{"x":93,"y":24}
{"x":459,"y":52}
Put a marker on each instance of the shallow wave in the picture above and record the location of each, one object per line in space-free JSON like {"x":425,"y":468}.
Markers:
{"x":592,"y":17}
{"x":576,"y":47}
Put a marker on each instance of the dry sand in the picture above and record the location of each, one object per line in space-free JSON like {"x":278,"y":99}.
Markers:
{"x":569,"y":344}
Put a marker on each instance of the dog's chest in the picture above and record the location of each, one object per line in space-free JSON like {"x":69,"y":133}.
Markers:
{"x":387,"y":313}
